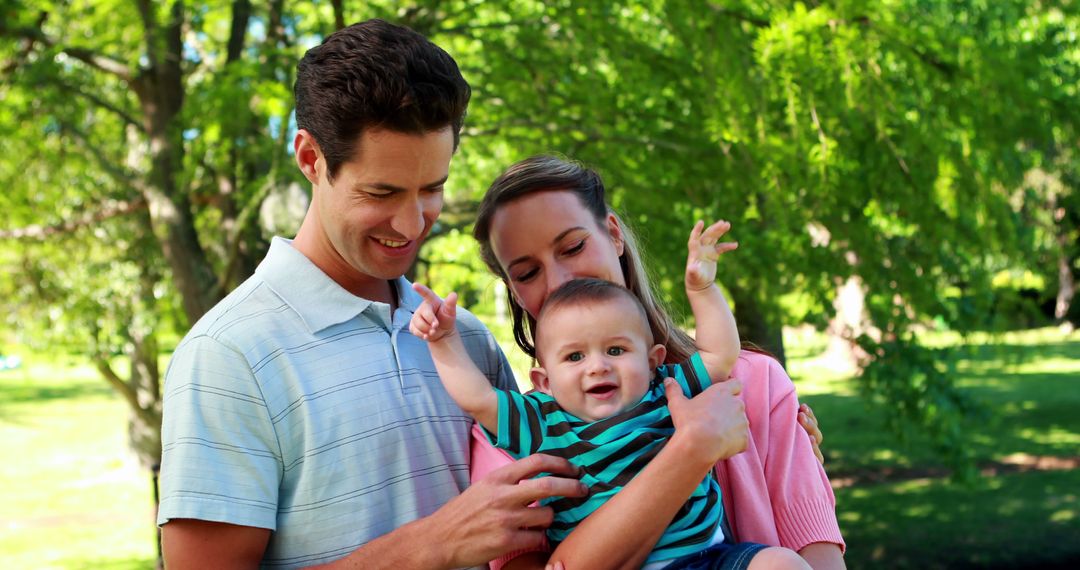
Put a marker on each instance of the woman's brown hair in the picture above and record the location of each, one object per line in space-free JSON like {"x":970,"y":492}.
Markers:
{"x":548,"y":173}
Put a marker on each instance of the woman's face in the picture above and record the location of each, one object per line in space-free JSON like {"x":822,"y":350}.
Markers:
{"x":545,"y":239}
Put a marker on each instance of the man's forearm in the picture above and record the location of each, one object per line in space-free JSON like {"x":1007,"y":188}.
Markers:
{"x":409,"y":546}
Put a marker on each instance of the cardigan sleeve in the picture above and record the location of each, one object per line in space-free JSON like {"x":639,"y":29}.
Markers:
{"x":803,"y":503}
{"x":485,"y":459}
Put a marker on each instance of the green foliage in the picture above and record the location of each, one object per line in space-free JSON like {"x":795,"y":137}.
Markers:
{"x":922,"y":146}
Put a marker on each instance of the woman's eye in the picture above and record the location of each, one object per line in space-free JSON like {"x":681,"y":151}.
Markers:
{"x":575,"y":357}
{"x":615,"y":351}
{"x":522,"y":277}
{"x":577,"y":247}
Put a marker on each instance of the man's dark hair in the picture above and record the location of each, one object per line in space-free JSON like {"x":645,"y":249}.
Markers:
{"x":376,"y":75}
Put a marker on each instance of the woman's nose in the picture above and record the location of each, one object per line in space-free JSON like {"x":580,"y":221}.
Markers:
{"x":556,"y":276}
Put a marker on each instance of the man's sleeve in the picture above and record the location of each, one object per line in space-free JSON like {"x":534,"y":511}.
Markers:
{"x":221,"y":460}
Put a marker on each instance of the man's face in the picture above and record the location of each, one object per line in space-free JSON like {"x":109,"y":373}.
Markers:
{"x":380,"y":206}
{"x":597,"y":359}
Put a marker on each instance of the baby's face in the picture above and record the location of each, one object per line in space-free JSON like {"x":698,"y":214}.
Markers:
{"x":597,"y":359}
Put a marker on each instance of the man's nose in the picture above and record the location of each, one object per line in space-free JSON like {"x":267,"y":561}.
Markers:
{"x":409,"y":220}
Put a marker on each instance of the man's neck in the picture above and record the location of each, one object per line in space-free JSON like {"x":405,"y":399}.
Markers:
{"x":323,"y":256}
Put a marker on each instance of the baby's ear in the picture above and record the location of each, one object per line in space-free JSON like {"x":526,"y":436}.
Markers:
{"x":539,"y":379}
{"x":656,"y":355}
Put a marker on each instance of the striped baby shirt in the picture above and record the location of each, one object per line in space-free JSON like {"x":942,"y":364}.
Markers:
{"x":611,"y":452}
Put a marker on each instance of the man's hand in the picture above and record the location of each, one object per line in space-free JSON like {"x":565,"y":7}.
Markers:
{"x":703,"y":251}
{"x":493,"y":517}
{"x":435,"y":317}
{"x":713,"y":423}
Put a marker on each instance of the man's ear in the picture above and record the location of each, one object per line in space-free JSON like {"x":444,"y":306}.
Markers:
{"x":309,"y":156}
{"x":656,"y":355}
{"x":539,"y":379}
{"x":615,"y":231}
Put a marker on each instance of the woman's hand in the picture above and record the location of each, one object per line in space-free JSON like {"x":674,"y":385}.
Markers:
{"x":809,"y":423}
{"x":713,"y":423}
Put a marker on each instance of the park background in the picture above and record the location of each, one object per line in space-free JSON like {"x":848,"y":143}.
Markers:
{"x":902,"y":177}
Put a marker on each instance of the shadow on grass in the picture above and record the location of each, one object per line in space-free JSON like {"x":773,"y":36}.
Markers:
{"x":18,"y":390}
{"x":1012,"y":521}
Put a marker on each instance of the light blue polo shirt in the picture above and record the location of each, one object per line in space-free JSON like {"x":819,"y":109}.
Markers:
{"x":296,"y":406}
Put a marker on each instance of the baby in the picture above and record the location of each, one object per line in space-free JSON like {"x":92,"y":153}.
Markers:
{"x":600,"y":401}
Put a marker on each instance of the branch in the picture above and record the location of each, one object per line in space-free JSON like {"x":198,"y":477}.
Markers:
{"x":89,"y":57}
{"x":122,"y":177}
{"x":111,"y":209}
{"x":241,"y":13}
{"x":736,"y":15}
{"x":102,"y":364}
{"x":102,"y":103}
{"x":489,"y":26}
{"x":146,"y":13}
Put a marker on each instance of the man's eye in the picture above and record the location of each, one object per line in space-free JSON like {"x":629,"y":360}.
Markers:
{"x":615,"y":351}
{"x":575,"y":357}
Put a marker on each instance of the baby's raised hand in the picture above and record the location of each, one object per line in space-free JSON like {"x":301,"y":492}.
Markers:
{"x":704,"y":249}
{"x":435,"y":317}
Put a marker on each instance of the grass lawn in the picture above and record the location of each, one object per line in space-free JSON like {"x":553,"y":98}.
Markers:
{"x":1023,"y":509}
{"x":73,"y":497}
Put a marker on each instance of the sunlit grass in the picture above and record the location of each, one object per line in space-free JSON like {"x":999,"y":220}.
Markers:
{"x":72,"y":495}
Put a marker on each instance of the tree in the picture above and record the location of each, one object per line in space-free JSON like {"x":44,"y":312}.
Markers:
{"x":852,"y":144}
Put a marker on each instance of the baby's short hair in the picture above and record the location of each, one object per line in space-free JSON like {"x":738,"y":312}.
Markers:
{"x":587,"y":291}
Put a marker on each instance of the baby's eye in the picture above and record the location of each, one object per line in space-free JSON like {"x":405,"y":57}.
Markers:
{"x":615,"y":350}
{"x":575,"y":357}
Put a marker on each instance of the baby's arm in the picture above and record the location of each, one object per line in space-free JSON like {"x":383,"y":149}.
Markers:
{"x":717,"y":334}
{"x":467,"y":385}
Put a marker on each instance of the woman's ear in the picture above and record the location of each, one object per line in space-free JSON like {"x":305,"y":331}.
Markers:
{"x":539,"y":379}
{"x":615,"y":231}
{"x":656,"y":355}
{"x":309,"y":156}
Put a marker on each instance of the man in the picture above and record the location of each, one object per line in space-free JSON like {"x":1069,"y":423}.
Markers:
{"x":303,"y":424}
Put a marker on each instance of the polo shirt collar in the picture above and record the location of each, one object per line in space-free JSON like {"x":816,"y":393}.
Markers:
{"x":317,"y":298}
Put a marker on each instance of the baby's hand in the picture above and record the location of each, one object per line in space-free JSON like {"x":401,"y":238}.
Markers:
{"x":704,"y":249}
{"x":434,"y":319}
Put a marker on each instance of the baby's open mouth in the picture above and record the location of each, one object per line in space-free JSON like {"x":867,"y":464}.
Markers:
{"x":602,"y":389}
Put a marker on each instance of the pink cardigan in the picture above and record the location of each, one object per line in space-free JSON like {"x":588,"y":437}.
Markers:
{"x":775,"y":492}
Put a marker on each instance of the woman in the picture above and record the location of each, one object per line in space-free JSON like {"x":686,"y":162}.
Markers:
{"x":545,"y":221}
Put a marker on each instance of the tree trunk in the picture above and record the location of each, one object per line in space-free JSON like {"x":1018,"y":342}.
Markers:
{"x":848,"y":322}
{"x":755,"y":326}
{"x":160,"y":90}
{"x":1066,"y":280}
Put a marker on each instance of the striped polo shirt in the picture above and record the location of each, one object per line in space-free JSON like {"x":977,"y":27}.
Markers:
{"x":611,"y":452}
{"x":298,"y":407}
